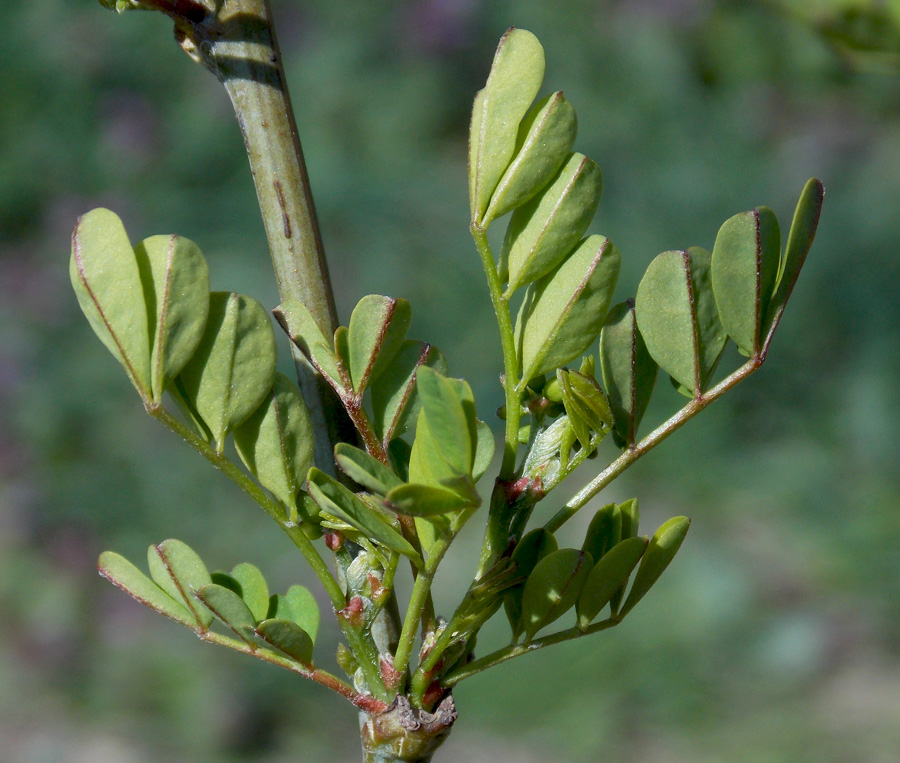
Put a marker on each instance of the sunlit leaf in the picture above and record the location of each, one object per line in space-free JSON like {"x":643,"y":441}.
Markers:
{"x":254,"y":589}
{"x":107,"y":282}
{"x":276,"y":442}
{"x":745,"y":262}
{"x":627,"y":370}
{"x":301,"y":327}
{"x":230,"y":609}
{"x":608,"y":577}
{"x":180,"y":572}
{"x":553,"y":588}
{"x":543,"y":232}
{"x":516,"y":76}
{"x":659,"y":554}
{"x":232,"y":371}
{"x":124,"y":575}
{"x":176,"y":290}
{"x":377,"y":329}
{"x":677,"y":316}
{"x":564,"y":311}
{"x":544,"y":141}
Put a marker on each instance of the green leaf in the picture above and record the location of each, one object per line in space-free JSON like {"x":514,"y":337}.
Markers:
{"x":333,"y":498}
{"x":254,"y":589}
{"x":515,"y":78}
{"x":563,"y":312}
{"x":631,"y":517}
{"x":544,"y":141}
{"x":417,"y":500}
{"x":232,"y":371}
{"x":542,"y":232}
{"x":660,"y":552}
{"x":365,"y":470}
{"x":302,"y":609}
{"x":124,"y":575}
{"x":627,"y":370}
{"x":289,"y":638}
{"x":677,"y":316}
{"x":608,"y":578}
{"x":395,"y":402}
{"x":304,"y":332}
{"x":107,"y":282}
{"x":484,"y":450}
{"x":176,"y":291}
{"x":745,"y":262}
{"x":449,"y":411}
{"x":553,"y":588}
{"x":230,"y":609}
{"x":180,"y":572}
{"x":604,"y":531}
{"x":276,"y":442}
{"x":533,"y":547}
{"x":377,"y":328}
{"x":800,"y":238}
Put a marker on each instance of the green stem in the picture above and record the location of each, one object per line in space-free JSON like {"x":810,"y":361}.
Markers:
{"x":517,"y":650}
{"x":419,"y":603}
{"x":318,"y":675}
{"x":259,"y":496}
{"x":510,"y":358}
{"x":237,"y":43}
{"x":649,"y":442}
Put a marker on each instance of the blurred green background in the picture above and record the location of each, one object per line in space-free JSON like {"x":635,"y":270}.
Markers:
{"x":775,"y":636}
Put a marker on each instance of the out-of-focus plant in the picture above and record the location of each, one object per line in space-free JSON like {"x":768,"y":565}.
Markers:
{"x":865,"y":32}
{"x":375,"y":464}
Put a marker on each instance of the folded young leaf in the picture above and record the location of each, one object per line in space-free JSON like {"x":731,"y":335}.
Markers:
{"x":544,"y":141}
{"x":585,"y":404}
{"x":515,"y":79}
{"x":107,"y":282}
{"x":231,"y":610}
{"x":533,"y":547}
{"x":553,"y":587}
{"x":304,"y":332}
{"x":563,"y":312}
{"x":276,"y":442}
{"x":677,"y":316}
{"x":287,"y":637}
{"x":377,"y":329}
{"x":543,"y":232}
{"x":124,"y":575}
{"x":180,"y":572}
{"x":800,"y":238}
{"x":660,"y":552}
{"x":176,"y":290}
{"x":365,"y":470}
{"x":333,"y":498}
{"x":608,"y":578}
{"x":232,"y":371}
{"x":627,"y":370}
{"x":744,"y":269}
{"x":395,"y":402}
{"x":253,"y":589}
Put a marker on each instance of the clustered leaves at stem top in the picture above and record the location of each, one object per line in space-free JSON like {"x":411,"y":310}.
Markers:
{"x":409,"y":484}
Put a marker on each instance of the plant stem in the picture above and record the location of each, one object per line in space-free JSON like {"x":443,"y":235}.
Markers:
{"x":259,"y":496}
{"x":516,"y":650}
{"x":508,"y":345}
{"x":237,"y":43}
{"x":653,"y":439}
{"x":419,"y":603}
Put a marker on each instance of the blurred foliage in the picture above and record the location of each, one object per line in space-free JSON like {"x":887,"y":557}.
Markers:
{"x":776,"y":635}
